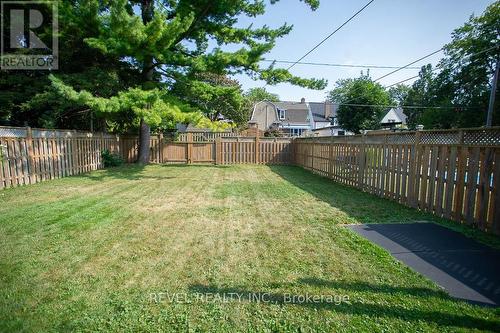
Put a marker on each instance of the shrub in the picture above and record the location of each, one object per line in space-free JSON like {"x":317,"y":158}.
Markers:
{"x":110,"y":159}
{"x":273,"y":133}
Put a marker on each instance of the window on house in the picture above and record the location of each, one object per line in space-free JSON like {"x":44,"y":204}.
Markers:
{"x":391,"y":120}
{"x":282,"y":114}
{"x":341,"y":133}
{"x":334,"y":121}
{"x":296,"y":131}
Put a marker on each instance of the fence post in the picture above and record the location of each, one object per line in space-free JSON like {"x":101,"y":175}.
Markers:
{"x":257,"y":144}
{"x":189,"y":147}
{"x":101,"y":147}
{"x":460,"y":137}
{"x":31,"y":164}
{"x":361,"y":162}
{"x":412,"y":177}
{"x":160,"y":147}
{"x":218,"y":150}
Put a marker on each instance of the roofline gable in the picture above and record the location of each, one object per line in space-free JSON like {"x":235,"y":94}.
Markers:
{"x":265,"y":101}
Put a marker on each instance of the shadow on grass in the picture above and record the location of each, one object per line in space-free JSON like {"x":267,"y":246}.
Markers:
{"x":354,"y":307}
{"x":436,"y":246}
{"x":369,"y":208}
{"x":139,"y":172}
{"x":125,"y":172}
{"x":374,"y":288}
{"x":364,"y":207}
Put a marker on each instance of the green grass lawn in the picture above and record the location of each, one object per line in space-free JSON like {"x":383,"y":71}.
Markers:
{"x":95,"y":252}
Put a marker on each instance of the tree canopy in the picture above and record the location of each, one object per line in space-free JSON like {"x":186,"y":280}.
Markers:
{"x":143,"y":63}
{"x":359,"y":101}
{"x":460,"y":84}
{"x":255,"y":95}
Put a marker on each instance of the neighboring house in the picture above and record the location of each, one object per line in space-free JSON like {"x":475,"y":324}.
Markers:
{"x":290,"y":118}
{"x":295,"y":118}
{"x":394,"y":118}
{"x":323,"y":114}
{"x":332,"y":130}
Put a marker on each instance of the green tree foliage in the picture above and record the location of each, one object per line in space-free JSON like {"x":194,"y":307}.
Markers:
{"x":156,"y":107}
{"x":398,"y":94}
{"x":169,"y":42}
{"x":419,"y":95}
{"x":255,"y":95}
{"x":361,"y":91}
{"x":462,"y":85}
{"x":26,"y":97}
{"x":217,"y":96}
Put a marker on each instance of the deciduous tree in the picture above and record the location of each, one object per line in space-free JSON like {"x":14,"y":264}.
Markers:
{"x":362,"y":103}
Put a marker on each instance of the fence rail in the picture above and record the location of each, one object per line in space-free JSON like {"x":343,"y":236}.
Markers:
{"x":452,"y":174}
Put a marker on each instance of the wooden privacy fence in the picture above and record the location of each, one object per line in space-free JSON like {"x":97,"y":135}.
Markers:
{"x":203,"y":136}
{"x":451,"y":173}
{"x":454,"y":173}
{"x":28,"y":156}
{"x":224,"y":150}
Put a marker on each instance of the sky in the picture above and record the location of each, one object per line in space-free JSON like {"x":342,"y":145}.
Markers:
{"x":388,"y":32}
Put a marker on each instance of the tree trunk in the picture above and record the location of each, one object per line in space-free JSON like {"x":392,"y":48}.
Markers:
{"x":147,"y":11}
{"x":144,"y":143}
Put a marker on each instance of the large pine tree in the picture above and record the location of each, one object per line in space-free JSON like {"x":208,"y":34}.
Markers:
{"x":173,"y":41}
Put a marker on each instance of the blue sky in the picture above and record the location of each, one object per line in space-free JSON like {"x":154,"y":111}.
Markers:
{"x":388,"y":32}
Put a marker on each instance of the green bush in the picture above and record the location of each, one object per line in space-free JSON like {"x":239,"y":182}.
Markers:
{"x":110,"y":159}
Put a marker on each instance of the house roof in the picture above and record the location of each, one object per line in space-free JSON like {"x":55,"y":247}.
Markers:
{"x":401,"y":115}
{"x":318,"y":111}
{"x":296,"y":112}
{"x":396,"y":115}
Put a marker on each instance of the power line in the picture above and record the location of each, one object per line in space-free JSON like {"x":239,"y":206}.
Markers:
{"x":436,"y":68}
{"x":405,"y":66}
{"x":408,"y":106}
{"x":334,"y":65}
{"x":330,"y":35}
{"x":408,"y":79}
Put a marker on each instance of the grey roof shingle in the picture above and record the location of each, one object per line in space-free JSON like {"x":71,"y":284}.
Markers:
{"x":318,"y":111}
{"x":401,"y":115}
{"x":296,"y":112}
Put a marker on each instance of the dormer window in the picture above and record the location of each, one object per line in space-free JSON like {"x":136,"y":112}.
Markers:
{"x":281,"y":114}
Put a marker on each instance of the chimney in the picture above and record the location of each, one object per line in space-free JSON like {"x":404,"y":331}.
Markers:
{"x":328,"y":109}
{"x":302,"y":100}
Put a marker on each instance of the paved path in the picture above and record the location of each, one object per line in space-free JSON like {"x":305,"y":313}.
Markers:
{"x":465,"y":268}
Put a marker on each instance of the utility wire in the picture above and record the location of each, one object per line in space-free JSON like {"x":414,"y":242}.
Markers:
{"x":436,"y":68}
{"x":405,"y":66}
{"x":408,"y":106}
{"x":330,"y":35}
{"x":408,"y":79}
{"x":416,"y":76}
{"x":335,"y":65}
